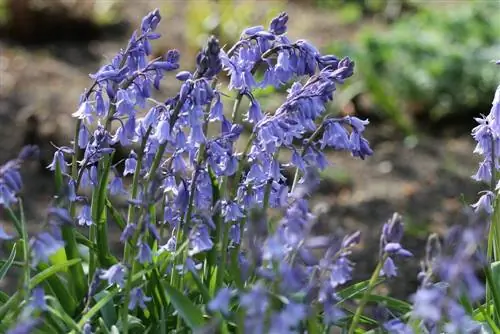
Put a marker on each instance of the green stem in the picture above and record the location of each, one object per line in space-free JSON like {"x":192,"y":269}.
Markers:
{"x":366,"y":295}
{"x":26,"y":255}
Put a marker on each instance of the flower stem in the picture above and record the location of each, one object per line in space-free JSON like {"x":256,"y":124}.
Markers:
{"x":366,"y":295}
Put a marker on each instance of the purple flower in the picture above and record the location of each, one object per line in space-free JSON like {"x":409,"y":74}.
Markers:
{"x":58,"y":160}
{"x":389,"y":268}
{"x":199,"y":240}
{"x":83,"y":136}
{"x":162,"y":133}
{"x":396,"y":326}
{"x":37,"y":300}
{"x":278,"y":24}
{"x":144,"y":255}
{"x":137,"y":298}
{"x":114,"y":275}
{"x":231,"y":212}
{"x":208,"y":60}
{"x":85,"y":216}
{"x":171,"y":245}
{"x":87,"y":328}
{"x":130,"y":164}
{"x":128,"y":232}
{"x":485,"y":203}
{"x":220,"y":303}
{"x":42,"y":246}
{"x":4,"y":235}
{"x":116,"y":186}
{"x":26,"y":326}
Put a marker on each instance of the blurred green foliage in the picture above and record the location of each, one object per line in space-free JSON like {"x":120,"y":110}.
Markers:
{"x":435,"y":63}
{"x":225,"y":18}
{"x":352,"y":11}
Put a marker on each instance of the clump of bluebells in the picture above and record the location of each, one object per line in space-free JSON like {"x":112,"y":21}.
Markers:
{"x":215,"y":238}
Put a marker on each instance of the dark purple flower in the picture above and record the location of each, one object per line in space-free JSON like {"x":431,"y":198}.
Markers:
{"x":278,"y":24}
{"x":208,"y":60}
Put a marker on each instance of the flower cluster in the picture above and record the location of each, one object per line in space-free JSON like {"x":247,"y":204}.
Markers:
{"x":487,"y":136}
{"x":214,"y":235}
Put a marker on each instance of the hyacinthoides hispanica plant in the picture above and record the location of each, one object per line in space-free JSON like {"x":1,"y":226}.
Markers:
{"x":201,"y":250}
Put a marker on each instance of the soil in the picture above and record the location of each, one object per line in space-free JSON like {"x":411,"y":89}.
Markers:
{"x":423,"y":178}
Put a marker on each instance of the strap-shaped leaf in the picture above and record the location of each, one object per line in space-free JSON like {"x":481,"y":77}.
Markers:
{"x":6,"y":266}
{"x":189,"y":312}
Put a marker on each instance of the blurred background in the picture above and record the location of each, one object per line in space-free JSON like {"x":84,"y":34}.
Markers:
{"x":423,"y":71}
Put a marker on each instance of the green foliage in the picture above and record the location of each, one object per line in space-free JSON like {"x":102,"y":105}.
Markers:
{"x":206,"y":17}
{"x":434,"y":63}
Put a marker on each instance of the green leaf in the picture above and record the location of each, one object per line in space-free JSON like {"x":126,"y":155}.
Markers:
{"x":188,"y":311}
{"x":201,"y":287}
{"x":391,"y":303}
{"x":6,"y":266}
{"x":97,"y":307}
{"x":65,"y":318}
{"x":65,"y":298}
{"x":3,"y":297}
{"x":50,"y":271}
{"x":108,"y":311}
{"x":134,"y":324}
{"x":355,"y":290}
{"x":492,"y":277}
{"x":103,"y":327}
{"x":115,"y":215}
{"x":99,"y":215}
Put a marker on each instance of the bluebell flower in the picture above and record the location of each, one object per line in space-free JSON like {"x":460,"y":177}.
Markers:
{"x":37,"y":300}
{"x":60,"y":216}
{"x":390,"y":244}
{"x":58,"y":160}
{"x":87,"y":328}
{"x":220,"y":303}
{"x":114,"y":275}
{"x":84,"y":112}
{"x":144,"y":254}
{"x":42,"y":246}
{"x":231,"y":211}
{"x":116,"y":186}
{"x":396,"y":326}
{"x":128,"y":232}
{"x":208,"y":62}
{"x":278,"y":24}
{"x":83,"y":136}
{"x":138,"y":298}
{"x":389,"y":268}
{"x":162,"y":132}
{"x":199,"y":240}
{"x":235,"y":234}
{"x":4,"y":235}
{"x":85,"y":216}
{"x":26,"y":326}
{"x":130,"y":164}
{"x":171,"y":245}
